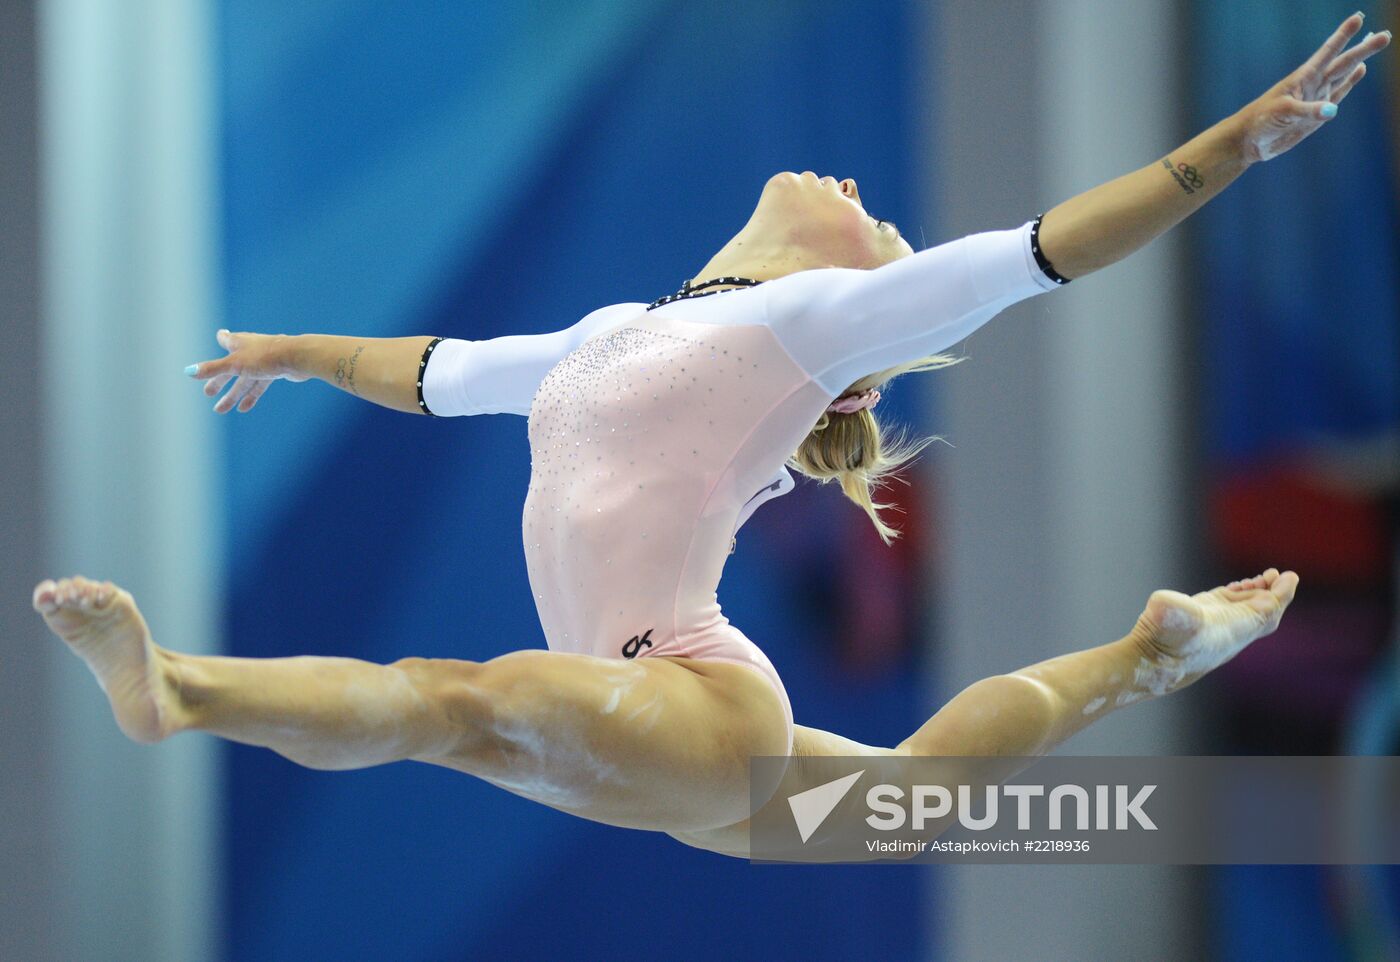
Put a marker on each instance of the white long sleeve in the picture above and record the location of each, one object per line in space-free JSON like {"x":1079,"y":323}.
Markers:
{"x":843,"y":324}
{"x":838,"y":324}
{"x":501,"y":375}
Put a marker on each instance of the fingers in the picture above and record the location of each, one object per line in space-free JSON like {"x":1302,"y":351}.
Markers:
{"x":218,"y":373}
{"x":240,"y":389}
{"x":224,"y":365}
{"x":1341,"y":92}
{"x":216,"y":384}
{"x":1314,"y":109}
{"x":1335,"y":44}
{"x":1343,"y":65}
{"x":207,"y":369}
{"x":246,"y":405}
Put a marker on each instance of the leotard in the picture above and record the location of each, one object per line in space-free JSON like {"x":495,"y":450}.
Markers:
{"x":654,"y":434}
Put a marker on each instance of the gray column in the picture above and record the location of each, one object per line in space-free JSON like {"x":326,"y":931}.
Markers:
{"x":1063,"y":499}
{"x":30,"y":877}
{"x":130,"y":451}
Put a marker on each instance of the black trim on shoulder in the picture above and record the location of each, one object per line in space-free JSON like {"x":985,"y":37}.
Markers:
{"x":1041,"y":260}
{"x":687,"y":291}
{"x":422,"y":367}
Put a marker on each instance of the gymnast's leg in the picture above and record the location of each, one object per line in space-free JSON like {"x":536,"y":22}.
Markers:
{"x":1177,"y":639}
{"x":1026,"y":713}
{"x":658,"y":743}
{"x":327,"y":713}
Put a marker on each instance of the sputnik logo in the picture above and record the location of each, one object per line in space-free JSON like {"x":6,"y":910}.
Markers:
{"x":811,"y":808}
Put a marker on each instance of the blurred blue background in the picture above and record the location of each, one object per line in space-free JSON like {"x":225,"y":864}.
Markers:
{"x":489,"y":168}
{"x":1301,"y":361}
{"x":472,"y":171}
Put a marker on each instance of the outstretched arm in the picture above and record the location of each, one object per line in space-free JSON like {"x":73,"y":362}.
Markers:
{"x":460,"y":377}
{"x":382,"y":370}
{"x":842,"y":324}
{"x":1106,"y":224}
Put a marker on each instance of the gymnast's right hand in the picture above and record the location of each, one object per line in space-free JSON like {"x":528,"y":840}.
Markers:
{"x":253,"y":362}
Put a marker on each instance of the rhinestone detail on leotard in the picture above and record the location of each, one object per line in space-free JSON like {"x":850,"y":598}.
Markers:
{"x":611,"y":432}
{"x":602,"y":371}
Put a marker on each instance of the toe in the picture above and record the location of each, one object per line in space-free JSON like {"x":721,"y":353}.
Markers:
{"x":44,"y":594}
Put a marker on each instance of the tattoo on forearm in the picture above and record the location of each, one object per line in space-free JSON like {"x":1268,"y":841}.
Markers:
{"x":345,"y":370}
{"x":1187,"y":177}
{"x":354,"y":359}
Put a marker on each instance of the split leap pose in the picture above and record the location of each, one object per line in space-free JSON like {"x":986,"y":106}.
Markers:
{"x":655,"y":431}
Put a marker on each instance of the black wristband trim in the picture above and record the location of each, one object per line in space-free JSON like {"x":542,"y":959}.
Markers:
{"x":422,"y":369}
{"x":1041,"y":260}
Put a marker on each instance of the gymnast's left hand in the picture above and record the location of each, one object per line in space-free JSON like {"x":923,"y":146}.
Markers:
{"x":1308,"y":97}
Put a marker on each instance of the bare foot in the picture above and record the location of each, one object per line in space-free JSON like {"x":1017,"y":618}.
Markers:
{"x":1185,"y":637}
{"x":99,"y":621}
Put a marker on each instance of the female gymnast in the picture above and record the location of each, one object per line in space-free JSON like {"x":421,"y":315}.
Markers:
{"x":655,"y":430}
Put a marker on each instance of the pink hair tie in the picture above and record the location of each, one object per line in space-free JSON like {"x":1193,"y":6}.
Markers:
{"x":852,"y":403}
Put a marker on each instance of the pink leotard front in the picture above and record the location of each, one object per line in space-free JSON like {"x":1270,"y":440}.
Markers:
{"x":655,"y":433}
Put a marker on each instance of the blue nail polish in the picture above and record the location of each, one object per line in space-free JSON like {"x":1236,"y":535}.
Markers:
{"x":1329,"y":111}
{"x":191,"y":370}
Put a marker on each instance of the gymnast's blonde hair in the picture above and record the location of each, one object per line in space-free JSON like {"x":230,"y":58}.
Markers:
{"x":853,"y":448}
